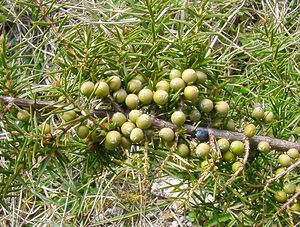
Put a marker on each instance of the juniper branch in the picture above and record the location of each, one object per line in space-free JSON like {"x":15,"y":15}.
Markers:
{"x":278,"y":144}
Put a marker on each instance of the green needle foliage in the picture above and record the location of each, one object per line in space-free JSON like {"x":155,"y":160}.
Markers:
{"x":249,"y":51}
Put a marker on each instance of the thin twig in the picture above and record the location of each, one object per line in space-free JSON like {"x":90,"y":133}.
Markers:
{"x":278,"y":144}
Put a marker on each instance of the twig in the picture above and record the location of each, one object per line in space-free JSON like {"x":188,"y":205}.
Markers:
{"x":240,"y":169}
{"x":278,"y":176}
{"x":278,"y":144}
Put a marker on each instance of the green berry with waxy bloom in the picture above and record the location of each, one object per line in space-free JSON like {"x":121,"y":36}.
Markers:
{"x":285,"y":160}
{"x":191,"y":93}
{"x":136,"y":135}
{"x":237,"y":148}
{"x":293,"y":153}
{"x":45,"y":128}
{"x":127,"y":127}
{"x":132,"y":101}
{"x":134,"y":86}
{"x":87,"y":88}
{"x":161,"y":97}
{"x":112,"y":140}
{"x":144,"y":121}
{"x":102,"y":89}
{"x":263,"y":147}
{"x":201,"y":77}
{"x":228,"y":156}
{"x":162,"y":85}
{"x":235,"y":166}
{"x":195,"y":115}
{"x":114,"y":83}
{"x":145,"y":96}
{"x":280,"y":196}
{"x":177,"y":84}
{"x":206,"y":105}
{"x":125,"y":143}
{"x":120,"y":95}
{"x":223,"y":144}
{"x":230,"y":125}
{"x":178,"y":118}
{"x":295,"y":207}
{"x":174,"y":73}
{"x":202,"y":150}
{"x":268,"y":117}
{"x":24,"y":116}
{"x":69,"y":115}
{"x":258,"y":113}
{"x":167,"y":134}
{"x":289,"y":188}
{"x":189,"y":76}
{"x":183,"y":150}
{"x":119,"y":119}
{"x":222,"y":108}
{"x":82,"y":131}
{"x":250,"y":130}
{"x":133,"y":115}
{"x":280,"y":170}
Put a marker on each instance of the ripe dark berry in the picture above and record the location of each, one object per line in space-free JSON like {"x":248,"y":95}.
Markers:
{"x":87,"y":88}
{"x":102,"y":89}
{"x":178,"y":118}
{"x":201,"y":135}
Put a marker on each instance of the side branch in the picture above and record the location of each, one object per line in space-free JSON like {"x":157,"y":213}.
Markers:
{"x":278,"y":144}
